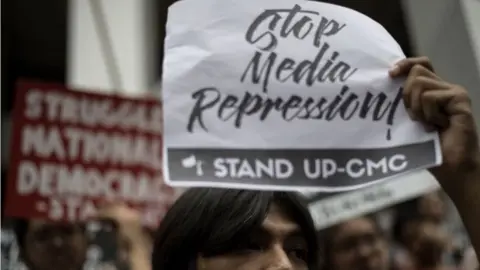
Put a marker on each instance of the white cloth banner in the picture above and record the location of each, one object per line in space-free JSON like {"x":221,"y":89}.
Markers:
{"x":284,"y":94}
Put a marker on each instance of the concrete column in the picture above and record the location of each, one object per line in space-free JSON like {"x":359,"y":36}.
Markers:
{"x":445,"y":31}
{"x":471,"y":10}
{"x":133,"y":35}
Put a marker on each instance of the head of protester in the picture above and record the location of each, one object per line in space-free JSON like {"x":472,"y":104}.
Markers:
{"x":421,"y":241}
{"x":217,"y":229}
{"x":358,"y":243}
{"x":48,"y":245}
{"x":432,"y":206}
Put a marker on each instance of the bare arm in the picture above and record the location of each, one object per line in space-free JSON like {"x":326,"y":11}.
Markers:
{"x":465,"y":194}
{"x":140,"y":258}
{"x":446,"y":108}
{"x":131,"y":232}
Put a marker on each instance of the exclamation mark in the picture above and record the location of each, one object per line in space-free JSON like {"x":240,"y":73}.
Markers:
{"x":391,"y":113}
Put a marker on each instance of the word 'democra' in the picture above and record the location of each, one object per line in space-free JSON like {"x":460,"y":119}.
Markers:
{"x":284,"y":94}
{"x":72,"y":150}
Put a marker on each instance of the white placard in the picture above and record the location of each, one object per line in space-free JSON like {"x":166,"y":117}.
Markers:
{"x":338,"y":208}
{"x":284,"y":94}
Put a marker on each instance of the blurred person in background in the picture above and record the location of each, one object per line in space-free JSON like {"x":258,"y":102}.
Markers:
{"x":435,"y":207}
{"x":46,"y":245}
{"x":423,"y":244}
{"x":432,"y":206}
{"x":220,"y":229}
{"x":358,"y":244}
{"x":361,"y":244}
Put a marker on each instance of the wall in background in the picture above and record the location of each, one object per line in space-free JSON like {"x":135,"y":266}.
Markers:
{"x":449,"y":40}
{"x":471,"y":9}
{"x":131,"y":27}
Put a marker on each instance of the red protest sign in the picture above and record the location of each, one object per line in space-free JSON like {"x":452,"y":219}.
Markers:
{"x":72,"y":150}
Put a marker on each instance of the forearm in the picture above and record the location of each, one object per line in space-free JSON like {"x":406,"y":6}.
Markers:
{"x":465,"y":194}
{"x":140,"y":258}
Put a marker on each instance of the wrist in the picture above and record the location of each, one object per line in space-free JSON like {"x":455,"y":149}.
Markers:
{"x":141,"y":245}
{"x":459,"y":178}
{"x":140,"y":257}
{"x":464,"y":185}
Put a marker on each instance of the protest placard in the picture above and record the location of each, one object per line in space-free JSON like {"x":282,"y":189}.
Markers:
{"x":282,"y":94}
{"x":328,"y":209}
{"x":71,"y":150}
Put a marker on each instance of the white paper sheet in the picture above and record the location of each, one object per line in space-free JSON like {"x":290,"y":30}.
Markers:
{"x":284,"y":95}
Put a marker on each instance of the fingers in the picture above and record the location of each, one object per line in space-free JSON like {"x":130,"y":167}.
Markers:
{"x":119,"y":212}
{"x":432,"y":114}
{"x":438,"y":105}
{"x":415,"y":103}
{"x":403,"y":67}
{"x":454,"y":101}
{"x":419,"y":81}
{"x":431,"y":100}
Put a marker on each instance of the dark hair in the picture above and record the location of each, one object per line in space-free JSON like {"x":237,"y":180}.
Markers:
{"x":20,"y":228}
{"x":327,"y":237}
{"x":406,"y":213}
{"x":209,"y":221}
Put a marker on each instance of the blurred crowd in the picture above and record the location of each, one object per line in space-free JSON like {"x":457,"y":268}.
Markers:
{"x":113,"y":239}
{"x":233,"y":229}
{"x":423,"y":233}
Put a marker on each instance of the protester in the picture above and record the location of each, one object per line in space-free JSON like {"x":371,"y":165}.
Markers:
{"x":435,"y":208}
{"x":218,"y":229}
{"x":428,"y":245}
{"x":432,"y":206}
{"x":425,"y":244}
{"x":212,"y":229}
{"x":356,"y":244}
{"x":361,"y":244}
{"x":46,"y":245}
